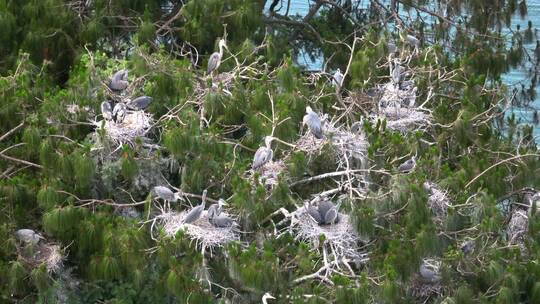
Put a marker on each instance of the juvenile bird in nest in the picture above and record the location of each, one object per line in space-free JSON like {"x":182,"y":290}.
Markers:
{"x":313,"y":121}
{"x":264,"y":154}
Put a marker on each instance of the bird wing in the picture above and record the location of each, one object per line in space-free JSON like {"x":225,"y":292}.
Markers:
{"x":213,"y":62}
{"x":331,"y":216}
{"x":315,"y":126}
{"x":260,"y":158}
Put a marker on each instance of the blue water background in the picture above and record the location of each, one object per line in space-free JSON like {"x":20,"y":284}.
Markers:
{"x":513,"y":78}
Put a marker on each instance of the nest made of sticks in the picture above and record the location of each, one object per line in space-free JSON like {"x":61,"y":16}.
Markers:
{"x":135,"y":124}
{"x":201,"y":231}
{"x":424,"y":291}
{"x":222,"y":81}
{"x":403,"y":119}
{"x":42,"y":253}
{"x":346,"y":145}
{"x":269,"y":173}
{"x":438,"y":201}
{"x":341,"y":237}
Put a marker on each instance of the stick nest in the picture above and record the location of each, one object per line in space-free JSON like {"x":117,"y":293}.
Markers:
{"x":270,"y":173}
{"x":201,"y":231}
{"x":438,"y":201}
{"x":136,"y":124}
{"x":43,"y":253}
{"x":341,"y":236}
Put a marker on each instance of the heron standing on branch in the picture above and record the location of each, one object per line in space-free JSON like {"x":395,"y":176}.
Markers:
{"x":139,"y":103}
{"x":313,"y":121}
{"x":166,"y":195}
{"x":119,"y":81}
{"x":408,"y":165}
{"x":196,"y":212}
{"x":337,"y":79}
{"x":263,"y":154}
{"x":215,"y":58}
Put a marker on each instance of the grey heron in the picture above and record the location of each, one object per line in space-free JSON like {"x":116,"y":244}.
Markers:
{"x":408,"y":165}
{"x":429,"y":270}
{"x":139,"y":103}
{"x":119,"y":81}
{"x":313,"y":121}
{"x":166,"y":194}
{"x":337,"y":79}
{"x":396,"y":72}
{"x":221,"y":221}
{"x":28,"y":236}
{"x":196,"y":212}
{"x":467,"y":247}
{"x":413,"y":41}
{"x":263,"y":154}
{"x":106,"y":110}
{"x":119,"y":112}
{"x":215,"y":209}
{"x":314,"y":213}
{"x":215,"y":59}
{"x":332,"y":215}
{"x":265,"y":297}
{"x":357,"y":126}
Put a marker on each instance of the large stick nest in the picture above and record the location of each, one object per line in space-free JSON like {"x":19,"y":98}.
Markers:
{"x":438,"y":201}
{"x":341,"y":237}
{"x":135,"y":124}
{"x":50,"y":255}
{"x":201,"y":231}
{"x":269,"y":173}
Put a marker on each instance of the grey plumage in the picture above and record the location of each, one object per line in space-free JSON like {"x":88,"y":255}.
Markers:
{"x":337,"y":79}
{"x":357,"y":126}
{"x":396,"y":72}
{"x":215,"y":59}
{"x":222,"y":221}
{"x":165,"y":193}
{"x":332,"y":216}
{"x":197,"y":211}
{"x":467,"y":247}
{"x":429,"y":271}
{"x":106,"y":110}
{"x":28,"y":236}
{"x":215,"y":209}
{"x":263,"y":154}
{"x":139,"y":103}
{"x":314,"y":213}
{"x":119,"y":81}
{"x":313,"y":121}
{"x":413,"y":41}
{"x":408,"y":165}
{"x":391,"y":47}
{"x":119,"y":112}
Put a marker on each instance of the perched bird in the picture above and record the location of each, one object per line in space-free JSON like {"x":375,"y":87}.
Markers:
{"x":396,"y":72}
{"x":337,"y":79}
{"x":196,"y":212}
{"x":467,"y":246}
{"x":106,"y":110}
{"x":119,"y":112}
{"x":28,"y":236}
{"x":314,"y":213}
{"x":357,"y":126}
{"x":332,"y":215}
{"x":265,"y":297}
{"x":429,"y":270}
{"x":221,"y":221}
{"x":263,"y":154}
{"x":413,"y":41}
{"x":215,"y":59}
{"x":408,"y":165}
{"x":313,"y":121}
{"x":215,"y":209}
{"x":119,"y":81}
{"x":166,"y":194}
{"x":139,"y":103}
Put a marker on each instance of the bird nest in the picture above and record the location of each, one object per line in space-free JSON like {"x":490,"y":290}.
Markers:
{"x":403,"y":119}
{"x":269,"y":173}
{"x":438,"y":201}
{"x":341,"y":237}
{"x":393,"y":95}
{"x":135,"y":124}
{"x":424,"y":288}
{"x":222,"y":81}
{"x":346,"y":145}
{"x":50,"y":255}
{"x":201,"y":231}
{"x":517,"y":229}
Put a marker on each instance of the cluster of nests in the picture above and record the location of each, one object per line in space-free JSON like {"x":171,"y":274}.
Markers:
{"x":124,"y":119}
{"x":210,"y":228}
{"x":34,"y":251}
{"x":397,"y":102}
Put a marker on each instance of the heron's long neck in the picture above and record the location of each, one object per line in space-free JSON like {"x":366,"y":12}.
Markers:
{"x":220,"y":50}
